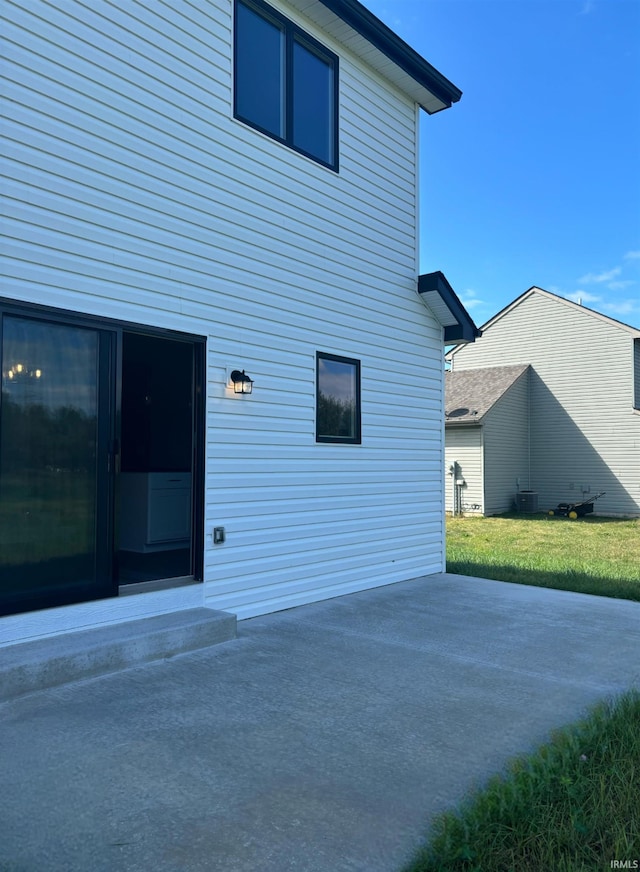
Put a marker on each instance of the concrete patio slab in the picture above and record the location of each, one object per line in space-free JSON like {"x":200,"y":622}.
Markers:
{"x":322,"y":739}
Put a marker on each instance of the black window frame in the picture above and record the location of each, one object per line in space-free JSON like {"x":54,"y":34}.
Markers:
{"x":356,"y":439}
{"x":117,"y":327}
{"x":292,"y":34}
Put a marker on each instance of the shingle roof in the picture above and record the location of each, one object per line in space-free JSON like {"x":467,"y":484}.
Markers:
{"x":471,"y":393}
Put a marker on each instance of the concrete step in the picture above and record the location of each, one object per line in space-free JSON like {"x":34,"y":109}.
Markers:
{"x":30,"y":666}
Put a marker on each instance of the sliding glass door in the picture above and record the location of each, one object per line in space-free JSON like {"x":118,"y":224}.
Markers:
{"x":55,"y":477}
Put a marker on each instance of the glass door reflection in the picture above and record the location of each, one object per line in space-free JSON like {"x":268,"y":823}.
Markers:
{"x":54,"y":427}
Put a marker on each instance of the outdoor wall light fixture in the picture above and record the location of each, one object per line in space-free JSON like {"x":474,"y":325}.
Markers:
{"x":242,"y":384}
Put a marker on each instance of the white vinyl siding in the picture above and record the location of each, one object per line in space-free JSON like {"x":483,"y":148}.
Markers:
{"x":464,"y":447}
{"x":584,"y":432}
{"x":506,"y":448}
{"x":133,"y":193}
{"x":636,"y":374}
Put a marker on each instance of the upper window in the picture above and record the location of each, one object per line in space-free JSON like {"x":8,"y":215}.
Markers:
{"x":337,"y":399}
{"x":636,"y":374}
{"x":286,"y":83}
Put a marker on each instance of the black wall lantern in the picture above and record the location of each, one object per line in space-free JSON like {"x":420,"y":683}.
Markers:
{"x":242,"y":384}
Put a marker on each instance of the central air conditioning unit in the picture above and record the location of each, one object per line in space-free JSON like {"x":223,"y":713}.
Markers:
{"x":527,"y":501}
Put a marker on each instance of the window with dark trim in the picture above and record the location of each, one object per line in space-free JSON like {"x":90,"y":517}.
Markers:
{"x":636,"y":374}
{"x":286,"y":83}
{"x":337,"y":399}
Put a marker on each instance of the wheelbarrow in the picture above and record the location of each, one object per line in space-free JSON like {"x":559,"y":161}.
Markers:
{"x":576,"y":510}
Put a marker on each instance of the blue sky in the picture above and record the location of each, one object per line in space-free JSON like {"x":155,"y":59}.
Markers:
{"x":533,"y":178}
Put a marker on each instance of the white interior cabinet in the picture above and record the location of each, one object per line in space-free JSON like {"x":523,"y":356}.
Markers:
{"x":155,"y":511}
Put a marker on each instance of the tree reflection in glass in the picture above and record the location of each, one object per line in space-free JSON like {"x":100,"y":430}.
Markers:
{"x":338,"y":395}
{"x":48,"y":433}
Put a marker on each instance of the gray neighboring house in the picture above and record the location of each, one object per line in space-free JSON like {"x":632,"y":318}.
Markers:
{"x":582,"y":431}
{"x":486,"y":438}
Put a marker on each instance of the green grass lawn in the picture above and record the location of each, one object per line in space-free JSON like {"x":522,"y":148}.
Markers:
{"x":590,"y":555}
{"x":573,"y":806}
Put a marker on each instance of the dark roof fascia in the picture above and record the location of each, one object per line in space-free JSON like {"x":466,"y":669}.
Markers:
{"x":396,"y":49}
{"x":465,"y":330}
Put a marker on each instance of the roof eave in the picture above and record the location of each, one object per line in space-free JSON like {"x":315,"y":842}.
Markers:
{"x":476,"y":422}
{"x":633,"y":331}
{"x":441,"y":299}
{"x":416,"y":76}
